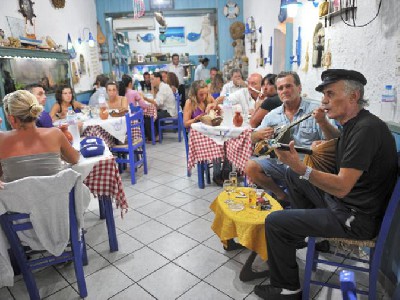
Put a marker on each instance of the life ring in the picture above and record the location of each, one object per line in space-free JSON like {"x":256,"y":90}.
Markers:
{"x":231,"y":10}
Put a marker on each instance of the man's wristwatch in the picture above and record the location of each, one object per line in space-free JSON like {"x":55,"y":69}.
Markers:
{"x":306,"y":175}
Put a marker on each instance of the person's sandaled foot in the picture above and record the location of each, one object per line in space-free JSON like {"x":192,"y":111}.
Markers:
{"x":232,"y":245}
{"x":273,"y":293}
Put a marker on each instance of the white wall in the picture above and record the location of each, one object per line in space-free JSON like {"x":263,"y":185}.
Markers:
{"x":191,"y":24}
{"x":371,"y":50}
{"x":57,"y":23}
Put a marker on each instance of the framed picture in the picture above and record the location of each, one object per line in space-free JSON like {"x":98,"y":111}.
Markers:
{"x":174,"y":36}
{"x":161,"y":4}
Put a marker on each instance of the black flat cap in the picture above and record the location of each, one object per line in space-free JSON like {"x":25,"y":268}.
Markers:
{"x":333,"y":75}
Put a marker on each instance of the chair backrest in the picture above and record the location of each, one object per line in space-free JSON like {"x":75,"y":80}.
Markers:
{"x":386,"y":224}
{"x":178,"y":102}
{"x":134,"y":123}
{"x":134,"y":108}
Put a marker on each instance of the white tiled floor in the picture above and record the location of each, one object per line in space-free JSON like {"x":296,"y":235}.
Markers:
{"x":167,"y":249}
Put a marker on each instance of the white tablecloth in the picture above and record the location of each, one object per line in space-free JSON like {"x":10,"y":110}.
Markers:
{"x":219,"y":134}
{"x":114,"y":126}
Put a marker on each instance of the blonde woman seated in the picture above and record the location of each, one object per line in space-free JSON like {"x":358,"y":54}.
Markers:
{"x":27,"y":150}
{"x":114,"y":100}
{"x":198,"y":104}
{"x":65,"y":98}
{"x":215,"y":86}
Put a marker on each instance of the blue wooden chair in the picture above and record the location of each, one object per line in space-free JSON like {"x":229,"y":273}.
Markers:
{"x":134,"y":108}
{"x":376,"y":247}
{"x":134,"y":152}
{"x":12,"y":223}
{"x":348,"y":285}
{"x":171,"y":123}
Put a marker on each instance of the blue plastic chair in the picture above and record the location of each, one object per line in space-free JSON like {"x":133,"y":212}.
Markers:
{"x":26,"y":266}
{"x":171,"y":123}
{"x":376,"y":247}
{"x":135,"y":149}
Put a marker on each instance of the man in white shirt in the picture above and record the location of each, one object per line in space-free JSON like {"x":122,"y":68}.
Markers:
{"x":236,"y":83}
{"x":177,"y":68}
{"x":246,"y":98}
{"x":165,"y":98}
{"x":201,"y":72}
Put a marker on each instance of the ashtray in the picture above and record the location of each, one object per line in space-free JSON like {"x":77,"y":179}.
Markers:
{"x":236,"y":206}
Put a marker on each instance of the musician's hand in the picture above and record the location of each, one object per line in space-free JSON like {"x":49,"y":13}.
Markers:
{"x":291,"y":159}
{"x":264,"y":133}
{"x":319,"y":115}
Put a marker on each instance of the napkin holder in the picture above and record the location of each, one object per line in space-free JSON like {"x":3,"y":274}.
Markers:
{"x":92,"y":146}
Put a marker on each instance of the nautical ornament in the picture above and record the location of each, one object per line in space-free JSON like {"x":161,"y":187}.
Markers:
{"x":231,"y":10}
{"x":26,"y":9}
{"x":192,"y":36}
{"x":146,"y":38}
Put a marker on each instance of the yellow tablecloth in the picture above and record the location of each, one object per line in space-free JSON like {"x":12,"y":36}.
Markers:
{"x":247,"y":225}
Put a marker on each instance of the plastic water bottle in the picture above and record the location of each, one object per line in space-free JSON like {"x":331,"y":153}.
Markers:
{"x":139,"y":87}
{"x":388,"y":104}
{"x":228,"y":112}
{"x":102,"y":98}
{"x":70,"y":116}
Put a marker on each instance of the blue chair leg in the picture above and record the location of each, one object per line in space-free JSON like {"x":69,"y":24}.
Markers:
{"x":132,"y":163}
{"x":179,"y":132}
{"x":112,"y":234}
{"x":159,"y":132}
{"x":144,"y":161}
{"x":85,"y":260}
{"x":101,"y":209}
{"x":200,"y":175}
{"x":309,"y":266}
{"x":153,"y":132}
{"x":77,"y":251}
{"x":207,"y":171}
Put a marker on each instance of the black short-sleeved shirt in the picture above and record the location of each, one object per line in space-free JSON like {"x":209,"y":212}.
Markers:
{"x":366,"y":144}
{"x":271,"y":102}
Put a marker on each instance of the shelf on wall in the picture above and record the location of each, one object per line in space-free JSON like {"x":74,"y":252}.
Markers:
{"x":338,"y":12}
{"x":32,"y":53}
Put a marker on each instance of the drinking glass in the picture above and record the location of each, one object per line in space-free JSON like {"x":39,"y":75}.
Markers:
{"x":228,"y":188}
{"x":233,"y":178}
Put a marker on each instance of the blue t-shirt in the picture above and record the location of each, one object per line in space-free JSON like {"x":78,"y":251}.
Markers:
{"x":44,"y":120}
{"x":304,"y":133}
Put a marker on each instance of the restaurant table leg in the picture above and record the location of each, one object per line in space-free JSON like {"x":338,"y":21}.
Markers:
{"x":200,"y":175}
{"x":101,"y":209}
{"x":247,"y":273}
{"x":112,"y":235}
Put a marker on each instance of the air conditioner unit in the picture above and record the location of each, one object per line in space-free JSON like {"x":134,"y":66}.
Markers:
{"x":131,"y":24}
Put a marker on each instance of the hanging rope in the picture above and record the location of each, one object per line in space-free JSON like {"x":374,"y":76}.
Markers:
{"x":138,"y":9}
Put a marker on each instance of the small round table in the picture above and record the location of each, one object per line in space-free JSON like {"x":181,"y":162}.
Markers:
{"x":247,"y":225}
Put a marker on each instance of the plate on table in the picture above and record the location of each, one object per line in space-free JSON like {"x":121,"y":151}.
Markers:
{"x":236,"y":206}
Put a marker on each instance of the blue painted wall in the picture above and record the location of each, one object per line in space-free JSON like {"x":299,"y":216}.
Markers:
{"x":224,"y":40}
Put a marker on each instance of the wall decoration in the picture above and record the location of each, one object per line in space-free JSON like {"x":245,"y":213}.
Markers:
{"x":16,"y":26}
{"x":138,"y":9}
{"x":282,"y":12}
{"x":82,"y":65}
{"x":206,"y":32}
{"x":58,"y":3}
{"x":318,"y":45}
{"x":149,"y":37}
{"x":161,"y":4}
{"x":26,"y":9}
{"x":174,"y":36}
{"x":193,"y":36}
{"x":231,"y":10}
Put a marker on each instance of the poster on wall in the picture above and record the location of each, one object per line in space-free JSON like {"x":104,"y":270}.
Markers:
{"x":174,"y":36}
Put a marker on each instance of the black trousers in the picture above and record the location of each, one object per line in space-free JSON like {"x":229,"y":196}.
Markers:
{"x":314,"y":213}
{"x":181,"y":92}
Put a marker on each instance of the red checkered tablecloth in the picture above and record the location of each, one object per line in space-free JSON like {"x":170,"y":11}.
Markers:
{"x":239,"y":150}
{"x":98,"y":131}
{"x":150,"y":111}
{"x":203,"y":148}
{"x":104,"y":180}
